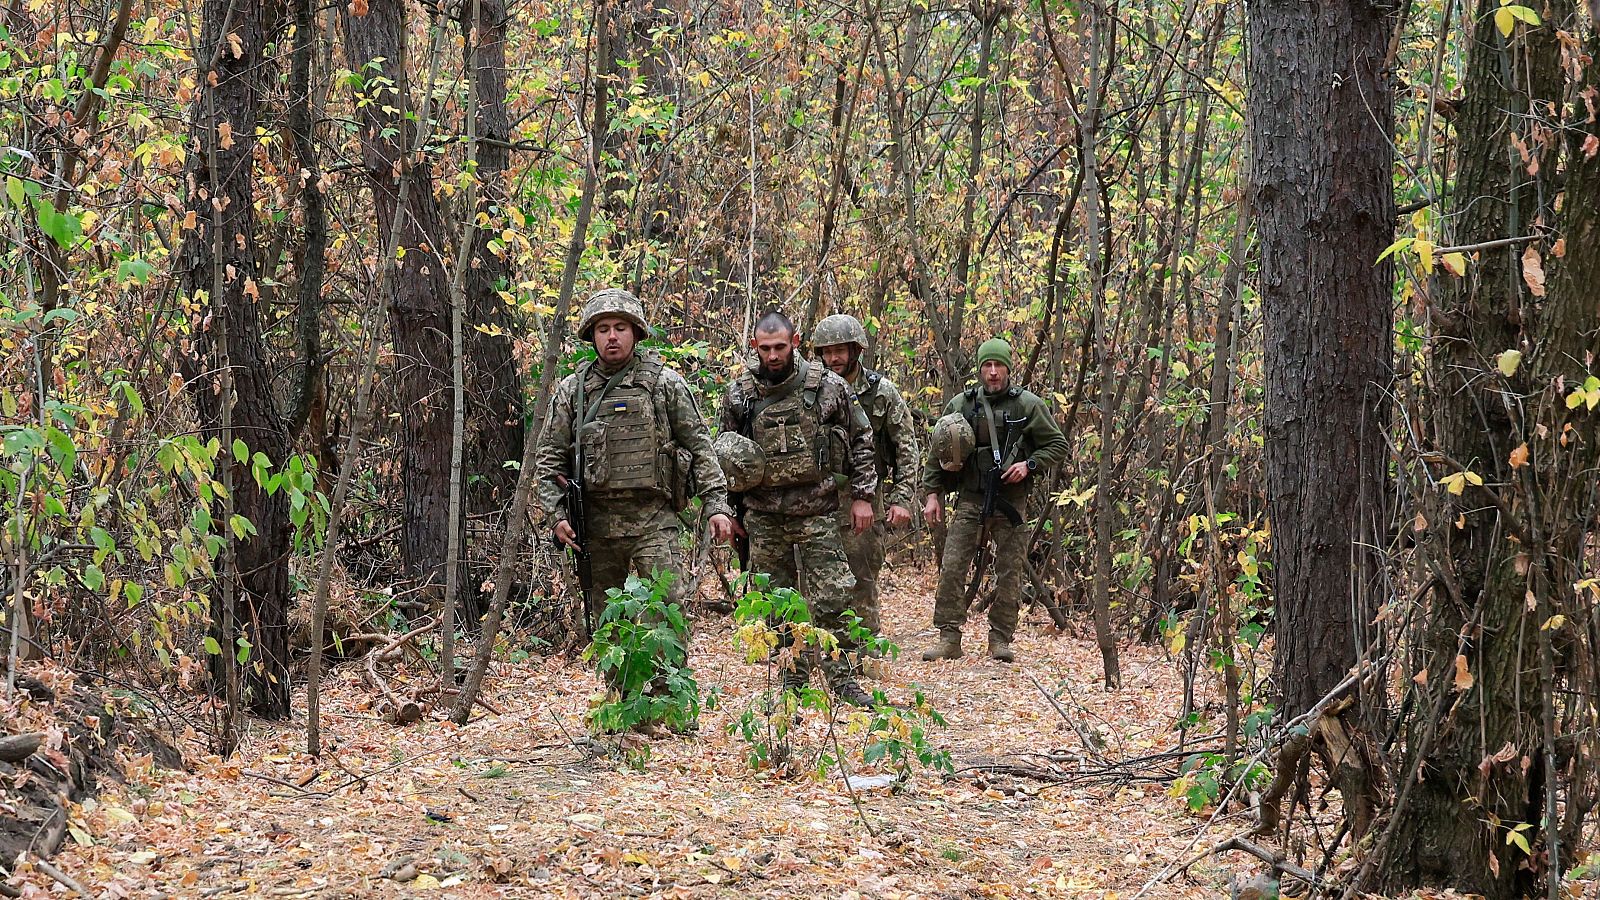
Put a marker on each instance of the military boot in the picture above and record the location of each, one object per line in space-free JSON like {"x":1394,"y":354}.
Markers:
{"x":848,"y":690}
{"x":1000,"y":648}
{"x":949,"y":647}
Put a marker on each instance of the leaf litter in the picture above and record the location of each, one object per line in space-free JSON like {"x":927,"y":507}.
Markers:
{"x":521,"y":805}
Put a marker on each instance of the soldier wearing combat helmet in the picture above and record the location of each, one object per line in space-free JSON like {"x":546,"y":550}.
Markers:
{"x":839,"y":341}
{"x":800,"y":428}
{"x":993,"y":439}
{"x":645,"y":448}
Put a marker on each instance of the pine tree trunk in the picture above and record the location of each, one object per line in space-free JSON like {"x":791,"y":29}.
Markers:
{"x":419,"y":301}
{"x":494,"y":389}
{"x":222,"y":141}
{"x":1510,"y":550}
{"x":1321,"y":122}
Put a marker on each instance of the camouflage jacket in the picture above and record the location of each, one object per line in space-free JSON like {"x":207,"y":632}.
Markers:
{"x":894,"y":437}
{"x":1029,"y":434}
{"x":635,"y":512}
{"x":838,"y":411}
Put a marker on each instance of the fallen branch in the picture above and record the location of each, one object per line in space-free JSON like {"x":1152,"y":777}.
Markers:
{"x":18,"y":747}
{"x":65,"y":880}
{"x":1091,"y":741}
{"x":401,"y":711}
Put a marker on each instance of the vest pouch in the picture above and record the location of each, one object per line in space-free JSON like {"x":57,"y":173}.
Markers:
{"x":596,"y":470}
{"x":631,"y":446}
{"x":795,"y":447}
{"x":676,"y":468}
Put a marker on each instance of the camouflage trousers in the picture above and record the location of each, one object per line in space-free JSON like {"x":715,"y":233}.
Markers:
{"x":776,"y":539}
{"x":865,"y":553}
{"x":611,"y":559}
{"x":960,"y":548}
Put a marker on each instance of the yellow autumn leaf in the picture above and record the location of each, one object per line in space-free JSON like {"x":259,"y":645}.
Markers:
{"x":1455,"y":263}
{"x":425,"y":882}
{"x":1424,"y":250}
{"x":1505,"y":21}
{"x":1508,"y":361}
{"x":1554,"y":623}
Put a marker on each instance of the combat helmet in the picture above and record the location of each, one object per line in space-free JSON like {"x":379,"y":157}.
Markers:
{"x":953,"y":441}
{"x":743,"y":463}
{"x":839,"y":329}
{"x":612,"y":302}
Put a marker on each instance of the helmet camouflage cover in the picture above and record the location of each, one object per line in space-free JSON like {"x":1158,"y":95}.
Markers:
{"x":743,"y":463}
{"x":953,"y":441}
{"x":611,"y":302}
{"x":839,"y":329}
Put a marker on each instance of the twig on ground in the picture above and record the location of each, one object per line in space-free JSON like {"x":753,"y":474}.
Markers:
{"x":63,"y":878}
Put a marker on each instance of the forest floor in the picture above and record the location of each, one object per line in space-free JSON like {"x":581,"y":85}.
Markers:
{"x":512,"y":806}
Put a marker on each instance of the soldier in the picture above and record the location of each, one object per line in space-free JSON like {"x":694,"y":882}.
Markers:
{"x":644,"y":444}
{"x":992,"y":440}
{"x":839,"y":341}
{"x":798,"y":421}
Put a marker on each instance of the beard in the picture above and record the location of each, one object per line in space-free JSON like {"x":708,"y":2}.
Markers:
{"x":776,"y":375}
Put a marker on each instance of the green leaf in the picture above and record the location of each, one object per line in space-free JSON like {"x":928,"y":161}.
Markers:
{"x":212,"y":647}
{"x":64,"y":228}
{"x":1394,"y":248}
{"x":241,"y":453}
{"x":93,"y":578}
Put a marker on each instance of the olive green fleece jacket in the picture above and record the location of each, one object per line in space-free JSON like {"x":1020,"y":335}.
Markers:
{"x":1028,"y":433}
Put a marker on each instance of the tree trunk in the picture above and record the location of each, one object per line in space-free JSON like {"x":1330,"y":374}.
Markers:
{"x":419,"y":300}
{"x":221,"y":250}
{"x":1321,"y":122}
{"x":495,"y":415}
{"x":1482,"y":752}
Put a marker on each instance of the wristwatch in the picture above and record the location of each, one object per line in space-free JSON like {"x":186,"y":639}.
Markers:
{"x":1032,"y":465}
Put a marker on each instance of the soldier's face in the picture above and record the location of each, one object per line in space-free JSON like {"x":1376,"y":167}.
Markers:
{"x":613,"y":339}
{"x":775,"y":349}
{"x":841,"y":358}
{"x":996,"y":375}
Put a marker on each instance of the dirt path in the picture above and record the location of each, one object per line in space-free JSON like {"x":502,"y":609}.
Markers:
{"x":507,"y":807}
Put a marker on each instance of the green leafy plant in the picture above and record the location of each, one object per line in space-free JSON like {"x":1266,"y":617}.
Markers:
{"x":641,"y":648}
{"x":774,"y":627}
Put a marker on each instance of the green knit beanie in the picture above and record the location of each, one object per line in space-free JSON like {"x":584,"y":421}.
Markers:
{"x":995,"y":349}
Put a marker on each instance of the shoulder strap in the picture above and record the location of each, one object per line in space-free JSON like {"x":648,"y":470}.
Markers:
{"x":813,"y":386}
{"x":648,"y":372}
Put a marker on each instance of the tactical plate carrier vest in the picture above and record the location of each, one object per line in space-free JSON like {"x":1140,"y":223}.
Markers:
{"x":788,"y":428}
{"x":627,"y":440}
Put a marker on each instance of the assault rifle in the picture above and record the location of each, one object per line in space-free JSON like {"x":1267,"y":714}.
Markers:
{"x":993,"y":503}
{"x":577,"y":517}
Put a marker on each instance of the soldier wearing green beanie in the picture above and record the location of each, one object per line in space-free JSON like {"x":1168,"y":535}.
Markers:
{"x":1016,"y":434}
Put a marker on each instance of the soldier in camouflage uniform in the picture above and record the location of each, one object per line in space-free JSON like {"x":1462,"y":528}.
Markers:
{"x":839,"y":340}
{"x":645,"y":444}
{"x":807,"y":427}
{"x":1014,"y":431}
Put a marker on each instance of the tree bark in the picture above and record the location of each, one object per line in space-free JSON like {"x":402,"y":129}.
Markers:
{"x":228,"y":334}
{"x":1321,"y":123}
{"x":495,"y":413}
{"x":419,"y":298}
{"x":1513,"y":548}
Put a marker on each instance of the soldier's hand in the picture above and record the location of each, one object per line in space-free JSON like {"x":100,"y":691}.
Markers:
{"x":933,"y":509}
{"x":861,"y":516}
{"x":566,"y":535}
{"x":898,"y":516}
{"x":1015,"y":473}
{"x":722,"y":528}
